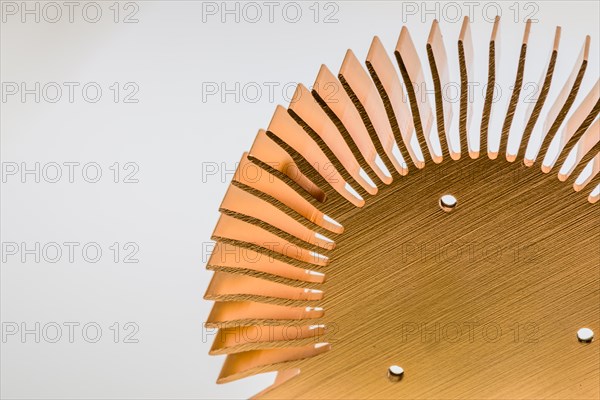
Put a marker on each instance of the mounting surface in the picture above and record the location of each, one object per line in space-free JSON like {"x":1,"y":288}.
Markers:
{"x":483,"y":302}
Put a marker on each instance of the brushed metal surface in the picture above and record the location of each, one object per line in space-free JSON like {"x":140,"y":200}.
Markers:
{"x":335,"y":261}
{"x":520,"y":254}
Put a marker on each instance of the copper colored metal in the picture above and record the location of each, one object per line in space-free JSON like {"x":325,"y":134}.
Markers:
{"x":330,"y":270}
{"x":493,"y":66}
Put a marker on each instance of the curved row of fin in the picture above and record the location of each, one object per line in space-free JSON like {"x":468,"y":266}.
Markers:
{"x":338,"y":144}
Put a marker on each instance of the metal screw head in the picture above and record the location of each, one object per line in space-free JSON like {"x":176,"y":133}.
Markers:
{"x":585,"y":335}
{"x":448,"y":202}
{"x":395,"y":373}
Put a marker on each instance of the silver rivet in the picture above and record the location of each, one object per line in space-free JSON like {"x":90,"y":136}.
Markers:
{"x":395,"y":373}
{"x":585,"y":335}
{"x":448,"y":202}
